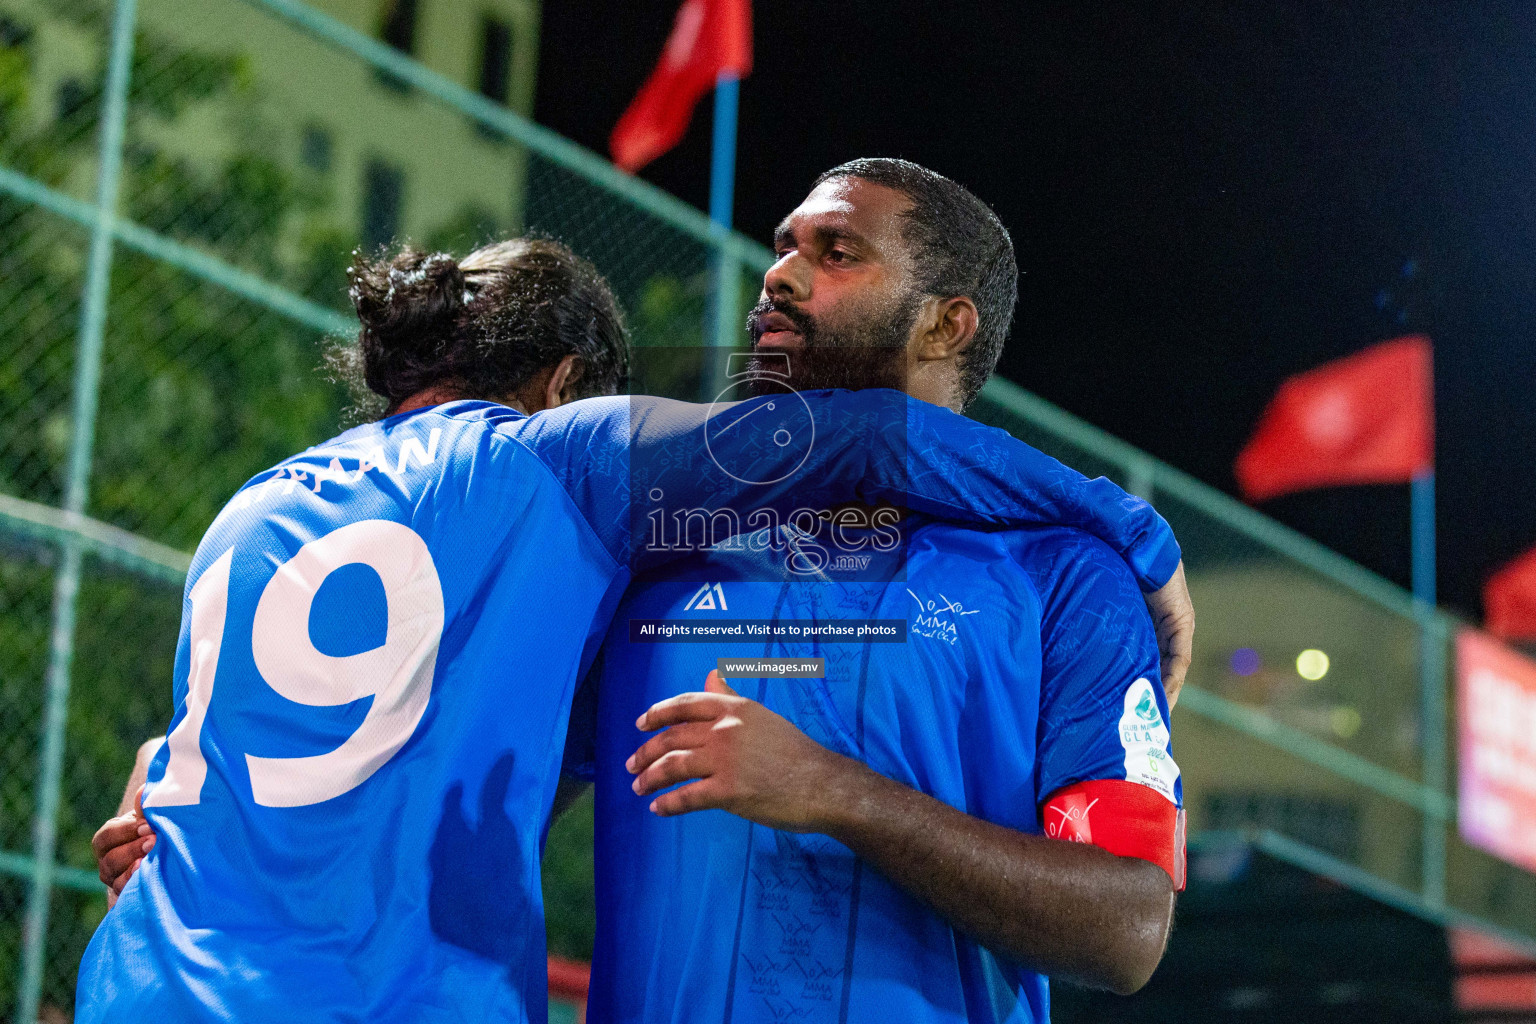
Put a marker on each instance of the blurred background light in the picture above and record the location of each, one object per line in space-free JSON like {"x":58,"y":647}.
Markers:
{"x":1312,"y":664}
{"x":1245,"y":661}
{"x":1345,"y":721}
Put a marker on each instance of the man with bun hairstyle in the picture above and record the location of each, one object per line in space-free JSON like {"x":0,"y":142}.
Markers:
{"x":382,"y":634}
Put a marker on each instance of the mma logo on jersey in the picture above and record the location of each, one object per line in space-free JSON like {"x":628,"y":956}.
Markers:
{"x":1144,"y":737}
{"x":937,"y":619}
{"x":708,"y":598}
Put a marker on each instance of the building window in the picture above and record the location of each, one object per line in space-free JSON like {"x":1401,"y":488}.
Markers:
{"x":1329,"y":824}
{"x":383,"y":197}
{"x":315,"y":148}
{"x":397,"y":27}
{"x":495,"y":59}
{"x":71,"y":99}
{"x":495,"y":67}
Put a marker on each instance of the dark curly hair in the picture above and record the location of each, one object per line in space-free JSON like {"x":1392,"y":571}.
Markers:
{"x":959,"y":247}
{"x":480,"y":327}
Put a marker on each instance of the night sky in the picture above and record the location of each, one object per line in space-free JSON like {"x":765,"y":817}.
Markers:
{"x":1205,"y":198}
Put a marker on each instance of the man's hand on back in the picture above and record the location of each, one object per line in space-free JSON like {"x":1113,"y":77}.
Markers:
{"x":120,"y":846}
{"x":1173,"y":615}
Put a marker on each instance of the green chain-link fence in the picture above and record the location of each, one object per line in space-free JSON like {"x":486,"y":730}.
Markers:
{"x":181,"y":182}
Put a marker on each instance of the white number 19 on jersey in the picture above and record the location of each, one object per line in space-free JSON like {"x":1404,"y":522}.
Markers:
{"x":398,"y":674}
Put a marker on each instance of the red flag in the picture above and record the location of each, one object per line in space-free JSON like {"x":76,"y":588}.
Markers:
{"x":708,"y":37}
{"x":1368,"y":418}
{"x":1509,"y":599}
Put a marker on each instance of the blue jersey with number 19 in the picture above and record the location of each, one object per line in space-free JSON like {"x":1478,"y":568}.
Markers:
{"x":378,"y":649}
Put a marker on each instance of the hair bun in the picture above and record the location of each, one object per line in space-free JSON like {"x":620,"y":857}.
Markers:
{"x":409,"y":305}
{"x":408,"y":299}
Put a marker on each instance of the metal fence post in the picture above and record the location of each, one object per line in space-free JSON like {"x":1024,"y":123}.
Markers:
{"x":722,"y":318}
{"x":722,"y":329}
{"x":93,"y":316}
{"x":1141,"y":478}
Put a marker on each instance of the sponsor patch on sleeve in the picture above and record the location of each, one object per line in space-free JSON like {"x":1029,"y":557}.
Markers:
{"x":1144,"y":737}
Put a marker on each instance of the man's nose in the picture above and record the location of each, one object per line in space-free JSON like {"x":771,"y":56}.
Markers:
{"x":789,"y":278}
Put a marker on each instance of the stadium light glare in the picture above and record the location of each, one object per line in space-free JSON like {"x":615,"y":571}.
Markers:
{"x":1312,"y":664}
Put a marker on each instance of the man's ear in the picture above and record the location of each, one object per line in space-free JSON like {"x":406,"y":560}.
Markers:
{"x":561,"y":387}
{"x":951,"y":327}
{"x":550,"y":388}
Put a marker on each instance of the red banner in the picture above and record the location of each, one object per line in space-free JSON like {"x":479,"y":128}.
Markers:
{"x":1368,"y":418}
{"x":1509,"y":599}
{"x":1496,"y":698}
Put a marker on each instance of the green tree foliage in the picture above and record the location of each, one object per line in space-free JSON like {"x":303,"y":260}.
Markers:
{"x":568,"y":884}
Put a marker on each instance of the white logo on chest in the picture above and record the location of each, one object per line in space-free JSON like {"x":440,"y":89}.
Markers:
{"x":708,"y":598}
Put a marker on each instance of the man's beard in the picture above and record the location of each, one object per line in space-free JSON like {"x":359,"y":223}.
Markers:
{"x":869,"y":353}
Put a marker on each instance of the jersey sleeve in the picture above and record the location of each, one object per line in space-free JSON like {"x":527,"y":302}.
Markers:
{"x":633,"y":465}
{"x":1105,"y":769}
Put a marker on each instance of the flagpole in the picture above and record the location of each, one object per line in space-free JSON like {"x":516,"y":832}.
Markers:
{"x":1431,"y":680}
{"x":1432,"y":652}
{"x":722,"y":322}
{"x":722,"y":164}
{"x":1423,"y":499}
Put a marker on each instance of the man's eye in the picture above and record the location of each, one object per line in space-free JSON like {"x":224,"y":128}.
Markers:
{"x":838,"y":256}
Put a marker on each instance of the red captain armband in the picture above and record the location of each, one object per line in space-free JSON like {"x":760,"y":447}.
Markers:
{"x":1125,"y":818}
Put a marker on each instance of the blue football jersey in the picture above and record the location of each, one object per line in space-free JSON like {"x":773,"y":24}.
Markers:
{"x":1029,"y":664}
{"x":379,"y":644}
